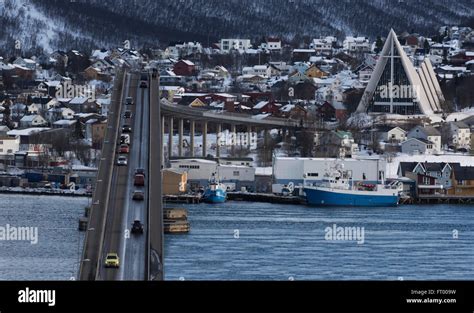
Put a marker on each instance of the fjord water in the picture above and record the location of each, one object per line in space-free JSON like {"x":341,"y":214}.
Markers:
{"x":56,"y":254}
{"x":260,"y":241}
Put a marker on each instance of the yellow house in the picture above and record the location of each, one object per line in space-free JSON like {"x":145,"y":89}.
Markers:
{"x":314,"y":72}
{"x":174,"y":182}
{"x":197,"y":103}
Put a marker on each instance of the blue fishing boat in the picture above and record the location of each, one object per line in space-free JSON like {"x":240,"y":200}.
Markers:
{"x":215,"y":192}
{"x":336,"y":190}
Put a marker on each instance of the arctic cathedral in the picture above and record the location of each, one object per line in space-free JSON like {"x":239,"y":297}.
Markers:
{"x":396,"y":87}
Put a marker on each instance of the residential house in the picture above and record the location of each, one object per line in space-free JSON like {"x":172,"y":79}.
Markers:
{"x":356,"y":44}
{"x":184,"y":68}
{"x":82,"y":105}
{"x":418,"y":146}
{"x":34,"y":108}
{"x":330,"y":111}
{"x":395,"y":134}
{"x":34,"y":120}
{"x":460,"y":134}
{"x":95,"y":132}
{"x":463,"y":181}
{"x":27,"y":63}
{"x":323,"y":46}
{"x":55,"y":114}
{"x":266,"y":107}
{"x":428,"y":133}
{"x":272,"y":44}
{"x":70,"y":124}
{"x":314,"y":72}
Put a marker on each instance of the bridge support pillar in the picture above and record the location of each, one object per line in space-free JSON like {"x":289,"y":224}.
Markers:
{"x":249,"y":136}
{"x":204,"y":139}
{"x":170,"y":138}
{"x":162,"y":153}
{"x":180,"y":137}
{"x":191,"y":135}
{"x":265,"y":137}
{"x":234,"y":138}
{"x":218,"y":137}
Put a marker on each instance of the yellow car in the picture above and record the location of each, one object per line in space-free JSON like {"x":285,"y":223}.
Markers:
{"x":112,"y":260}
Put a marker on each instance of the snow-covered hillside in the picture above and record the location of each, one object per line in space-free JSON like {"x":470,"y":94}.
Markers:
{"x":64,"y":24}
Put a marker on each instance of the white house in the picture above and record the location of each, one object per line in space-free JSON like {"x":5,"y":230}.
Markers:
{"x":27,"y":63}
{"x":227,"y":45}
{"x":9,"y":145}
{"x":34,"y":108}
{"x":428,"y":133}
{"x":272,"y":44}
{"x":356,"y":44}
{"x":418,"y":146}
{"x":396,"y":134}
{"x":261,"y":70}
{"x":460,"y":134}
{"x":34,"y":120}
{"x":55,"y":114}
{"x":323,"y":45}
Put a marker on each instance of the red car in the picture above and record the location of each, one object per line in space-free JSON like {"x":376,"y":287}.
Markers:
{"x":139,"y":180}
{"x":124,"y":149}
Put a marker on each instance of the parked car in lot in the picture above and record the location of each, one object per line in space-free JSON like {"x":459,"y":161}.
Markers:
{"x":112,"y":260}
{"x":139,"y":180}
{"x":126,"y":128}
{"x":122,"y":160}
{"x":129,"y":101}
{"x":125,"y":139}
{"x":137,"y":227}
{"x":127,"y":114}
{"x":138,"y":195}
{"x":124,"y":149}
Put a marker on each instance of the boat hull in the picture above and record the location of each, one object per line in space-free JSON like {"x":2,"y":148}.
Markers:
{"x":214,"y":196}
{"x":331,"y":197}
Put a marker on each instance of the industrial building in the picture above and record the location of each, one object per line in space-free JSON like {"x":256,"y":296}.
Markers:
{"x":235,"y":177}
{"x":297,"y":171}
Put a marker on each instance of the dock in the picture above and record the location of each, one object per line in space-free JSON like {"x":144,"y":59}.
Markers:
{"x":186,"y":198}
{"x":443,"y":199}
{"x":264,"y":197}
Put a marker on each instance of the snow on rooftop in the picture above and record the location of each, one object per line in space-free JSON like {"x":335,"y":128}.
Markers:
{"x":27,"y":131}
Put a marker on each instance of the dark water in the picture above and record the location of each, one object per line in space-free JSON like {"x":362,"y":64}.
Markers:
{"x":275,"y":242}
{"x":57,"y":252}
{"x":281,"y":242}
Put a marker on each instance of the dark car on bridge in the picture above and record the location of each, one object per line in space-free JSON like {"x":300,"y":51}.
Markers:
{"x":137,"y":227}
{"x":138,"y":195}
{"x":144,"y":80}
{"x":126,"y":129}
{"x":127,"y":114}
{"x":129,"y":101}
{"x":140,"y":171}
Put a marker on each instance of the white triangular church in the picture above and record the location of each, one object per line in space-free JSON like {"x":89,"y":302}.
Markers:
{"x":396,"y":87}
